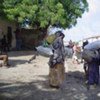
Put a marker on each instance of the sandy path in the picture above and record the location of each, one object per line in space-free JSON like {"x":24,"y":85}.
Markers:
{"x":23,"y":81}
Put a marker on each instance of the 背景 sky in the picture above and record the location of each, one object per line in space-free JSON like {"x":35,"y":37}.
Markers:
{"x":88,"y":25}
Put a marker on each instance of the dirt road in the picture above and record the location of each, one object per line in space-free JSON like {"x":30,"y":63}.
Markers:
{"x":23,"y":81}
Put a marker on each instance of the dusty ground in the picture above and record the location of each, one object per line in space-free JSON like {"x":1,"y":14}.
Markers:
{"x":23,"y":81}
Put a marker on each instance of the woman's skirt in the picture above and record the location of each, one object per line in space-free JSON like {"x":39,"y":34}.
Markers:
{"x":57,"y":75}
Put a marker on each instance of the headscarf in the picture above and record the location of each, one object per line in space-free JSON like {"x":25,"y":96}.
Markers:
{"x":59,"y":33}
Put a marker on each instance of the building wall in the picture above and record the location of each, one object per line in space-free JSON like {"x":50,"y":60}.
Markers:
{"x":3,"y":26}
{"x":30,"y":38}
{"x":3,"y":29}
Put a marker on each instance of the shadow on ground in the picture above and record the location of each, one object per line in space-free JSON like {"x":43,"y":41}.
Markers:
{"x":72,"y":89}
{"x":20,"y":53}
{"x":14,"y":62}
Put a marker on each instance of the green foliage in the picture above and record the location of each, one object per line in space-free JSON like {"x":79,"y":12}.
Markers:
{"x":42,"y":13}
{"x":1,"y":8}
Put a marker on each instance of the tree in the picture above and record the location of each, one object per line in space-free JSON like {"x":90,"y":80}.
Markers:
{"x":42,"y":13}
{"x":1,"y":8}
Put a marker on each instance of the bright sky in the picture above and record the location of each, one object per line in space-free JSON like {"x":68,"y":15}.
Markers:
{"x":88,"y":25}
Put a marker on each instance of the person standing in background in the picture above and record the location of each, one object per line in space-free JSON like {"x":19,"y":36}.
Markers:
{"x":18,"y":39}
{"x":9,"y":37}
{"x":4,"y":45}
{"x":76,"y":54}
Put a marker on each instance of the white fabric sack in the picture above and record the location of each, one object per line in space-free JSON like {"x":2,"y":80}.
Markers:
{"x":45,"y":51}
{"x":87,"y":55}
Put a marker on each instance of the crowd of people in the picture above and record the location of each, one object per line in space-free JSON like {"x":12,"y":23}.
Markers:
{"x":89,"y":55}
